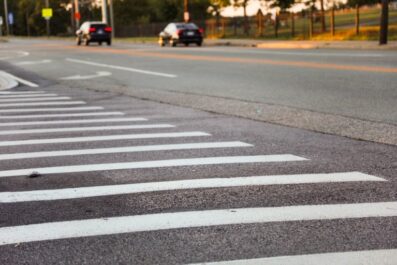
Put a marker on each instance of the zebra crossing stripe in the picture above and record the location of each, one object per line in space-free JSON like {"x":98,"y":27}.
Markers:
{"x":378,"y":257}
{"x":84,"y":129}
{"x":54,"y":103}
{"x":165,"y":221}
{"x":103,"y":138}
{"x":86,"y":192}
{"x":69,"y":115}
{"x":50,"y":109}
{"x":152,"y":164}
{"x":128,"y":149}
{"x":27,"y":96}
{"x":21,"y":92}
{"x":71,"y":121}
{"x":33,"y":99}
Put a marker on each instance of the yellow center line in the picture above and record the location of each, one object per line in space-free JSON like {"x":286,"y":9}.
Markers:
{"x":299,"y":64}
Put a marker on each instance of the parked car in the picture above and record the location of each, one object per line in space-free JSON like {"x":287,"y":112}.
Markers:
{"x":181,"y":33}
{"x":94,"y":32}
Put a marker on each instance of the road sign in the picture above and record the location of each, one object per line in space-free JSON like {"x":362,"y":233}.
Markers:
{"x":77,"y":16}
{"x":11,"y":18}
{"x":46,"y":13}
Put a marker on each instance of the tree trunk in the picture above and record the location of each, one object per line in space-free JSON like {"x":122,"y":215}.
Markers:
{"x":276,"y":26}
{"x":333,"y":21}
{"x":357,"y":19}
{"x":292,"y":24}
{"x":323,"y":26}
{"x":384,"y":21}
{"x":311,"y":26}
{"x":246,"y":29}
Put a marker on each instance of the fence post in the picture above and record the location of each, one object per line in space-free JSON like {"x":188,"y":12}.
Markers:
{"x":333,"y":21}
{"x":276,"y":25}
{"x":292,"y":24}
{"x":311,"y":26}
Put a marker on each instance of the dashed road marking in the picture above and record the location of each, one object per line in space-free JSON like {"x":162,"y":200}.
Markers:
{"x":69,"y":115}
{"x":55,"y":103}
{"x":33,"y":99}
{"x":26,"y":95}
{"x":50,"y":109}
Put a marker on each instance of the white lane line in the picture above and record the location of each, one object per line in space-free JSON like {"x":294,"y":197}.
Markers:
{"x":54,"y":103}
{"x":103,"y":138}
{"x":49,"y":109}
{"x":128,"y":149}
{"x":89,"y":114}
{"x":21,"y":92}
{"x":121,"y":68}
{"x":86,"y":192}
{"x":85,"y":129}
{"x":18,"y":55}
{"x":85,"y":77}
{"x":33,"y":62}
{"x":201,"y":161}
{"x":33,"y":99}
{"x":363,"y":257}
{"x":20,"y":80}
{"x":26,"y":96}
{"x":70,"y":121}
{"x":178,"y":220}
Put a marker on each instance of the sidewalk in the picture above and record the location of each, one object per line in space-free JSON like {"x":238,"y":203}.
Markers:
{"x":274,"y":44}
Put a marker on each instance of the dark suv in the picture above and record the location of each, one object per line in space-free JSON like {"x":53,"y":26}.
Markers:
{"x":185,"y":33}
{"x":94,"y":32}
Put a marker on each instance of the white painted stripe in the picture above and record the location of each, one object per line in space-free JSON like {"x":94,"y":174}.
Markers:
{"x":86,"y":192}
{"x":364,"y":257}
{"x":69,"y":115}
{"x":178,"y":220}
{"x":128,"y":149}
{"x":71,"y":121}
{"x":50,"y":109}
{"x":85,"y":129}
{"x":122,"y":68}
{"x":103,"y":138}
{"x":27,"y":95}
{"x":57,"y":103}
{"x":20,"y":80}
{"x":34,"y":62}
{"x":201,"y":161}
{"x":33,"y":99}
{"x":20,"y":92}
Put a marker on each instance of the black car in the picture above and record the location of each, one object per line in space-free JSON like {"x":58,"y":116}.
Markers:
{"x":184,"y":33}
{"x":94,"y":32}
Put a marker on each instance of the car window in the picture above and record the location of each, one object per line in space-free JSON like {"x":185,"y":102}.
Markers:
{"x":98,"y":26}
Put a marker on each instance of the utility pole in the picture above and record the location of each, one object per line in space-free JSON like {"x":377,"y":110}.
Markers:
{"x":384,"y":21}
{"x":104,"y":12}
{"x":186,"y":16}
{"x":112,"y":18}
{"x":77,"y":13}
{"x":6,"y":17}
{"x":47,"y":5}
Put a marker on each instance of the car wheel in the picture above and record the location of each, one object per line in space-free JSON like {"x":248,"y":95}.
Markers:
{"x":186,"y":44}
{"x":199,"y":44}
{"x":78,"y":41}
{"x":161,"y":42}
{"x":100,"y":43}
{"x":109,"y":42}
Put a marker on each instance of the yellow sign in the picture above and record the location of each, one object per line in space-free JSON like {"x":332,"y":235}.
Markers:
{"x":46,"y":12}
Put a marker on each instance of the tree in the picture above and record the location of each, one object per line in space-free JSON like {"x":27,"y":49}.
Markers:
{"x":243,"y":4}
{"x":215,"y":8}
{"x":357,"y":4}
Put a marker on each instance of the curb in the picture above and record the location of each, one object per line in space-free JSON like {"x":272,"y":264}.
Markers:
{"x":6,"y":82}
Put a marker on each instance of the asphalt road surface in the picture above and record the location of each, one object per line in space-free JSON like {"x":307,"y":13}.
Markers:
{"x":92,"y":172}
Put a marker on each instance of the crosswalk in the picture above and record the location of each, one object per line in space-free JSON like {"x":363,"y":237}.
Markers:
{"x":40,"y":140}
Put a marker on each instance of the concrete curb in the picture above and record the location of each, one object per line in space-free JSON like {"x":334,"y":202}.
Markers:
{"x":6,"y":82}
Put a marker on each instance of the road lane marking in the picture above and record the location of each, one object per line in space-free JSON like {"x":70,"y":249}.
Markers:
{"x":368,"y":257}
{"x":128,"y":149}
{"x":18,"y":55}
{"x":33,"y":62}
{"x":122,"y":68}
{"x":209,"y":183}
{"x":50,"y":109}
{"x":88,"y":114}
{"x":85,"y":77}
{"x":71,"y":121}
{"x":200,"y":161}
{"x":33,"y":99}
{"x":20,"y":80}
{"x":190,"y":219}
{"x":54,"y":103}
{"x":26,"y":95}
{"x":21,"y":92}
{"x":85,"y":129}
{"x":103,"y":138}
